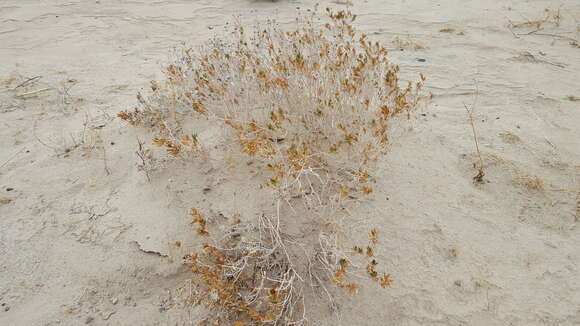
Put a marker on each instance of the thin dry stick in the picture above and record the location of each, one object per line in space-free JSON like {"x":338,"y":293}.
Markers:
{"x":27,"y":81}
{"x":34,"y":92}
{"x":577,"y":190}
{"x":552,"y":35}
{"x":478,"y":178}
{"x":11,"y":158}
{"x":105,"y":161}
{"x":40,"y":141}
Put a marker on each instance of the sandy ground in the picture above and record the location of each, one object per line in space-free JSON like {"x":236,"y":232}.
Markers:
{"x":84,"y":238}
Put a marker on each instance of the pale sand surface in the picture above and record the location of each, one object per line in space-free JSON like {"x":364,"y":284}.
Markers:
{"x":84,"y":238}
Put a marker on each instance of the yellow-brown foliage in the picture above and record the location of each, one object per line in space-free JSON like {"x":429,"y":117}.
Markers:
{"x":313,"y":108}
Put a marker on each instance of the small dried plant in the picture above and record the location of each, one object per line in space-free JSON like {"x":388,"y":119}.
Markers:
{"x":313,"y":108}
{"x":406,"y":44}
{"x":478,"y":178}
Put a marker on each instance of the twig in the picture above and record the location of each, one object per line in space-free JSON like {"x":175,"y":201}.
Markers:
{"x":40,"y":141}
{"x":551,"y":35}
{"x":11,"y":158}
{"x":27,"y":81}
{"x":34,"y":92}
{"x":513,"y":33}
{"x":478,"y":178}
{"x":509,"y":27}
{"x":105,"y":161}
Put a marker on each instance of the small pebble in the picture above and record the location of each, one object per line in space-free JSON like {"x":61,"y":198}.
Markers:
{"x":9,"y":189}
{"x":6,"y":308}
{"x":421,"y":60}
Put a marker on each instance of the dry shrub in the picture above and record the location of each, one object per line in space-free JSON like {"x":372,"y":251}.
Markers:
{"x":550,"y":16}
{"x":313,"y":108}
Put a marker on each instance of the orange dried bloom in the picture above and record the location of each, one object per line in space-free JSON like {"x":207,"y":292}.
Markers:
{"x":385,"y":281}
{"x":374,"y":236}
{"x":367,"y":190}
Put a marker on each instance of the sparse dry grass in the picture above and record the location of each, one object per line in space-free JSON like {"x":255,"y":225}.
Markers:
{"x":549,"y":26}
{"x":520,"y":177}
{"x":531,"y":183}
{"x":550,"y":16}
{"x":406,"y":44}
{"x":510,"y":137}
